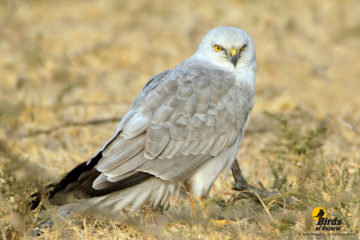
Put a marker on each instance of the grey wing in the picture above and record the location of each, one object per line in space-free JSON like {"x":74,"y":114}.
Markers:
{"x":177,"y":123}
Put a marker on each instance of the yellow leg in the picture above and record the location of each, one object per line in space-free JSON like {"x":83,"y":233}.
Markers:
{"x":193,"y":206}
{"x":202,"y":201}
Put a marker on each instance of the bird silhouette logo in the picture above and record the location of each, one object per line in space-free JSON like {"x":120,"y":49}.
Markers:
{"x":318,"y":212}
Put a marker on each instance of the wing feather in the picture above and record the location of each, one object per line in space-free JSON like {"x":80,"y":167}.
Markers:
{"x":111,"y":161}
{"x":157,"y":137}
{"x":136,"y":125}
{"x":122,"y":169}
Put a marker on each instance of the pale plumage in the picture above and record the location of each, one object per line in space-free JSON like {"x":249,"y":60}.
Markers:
{"x":183,"y":129}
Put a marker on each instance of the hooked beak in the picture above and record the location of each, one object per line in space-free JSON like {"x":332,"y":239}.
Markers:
{"x":233,"y":56}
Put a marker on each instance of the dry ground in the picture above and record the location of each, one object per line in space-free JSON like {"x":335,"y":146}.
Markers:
{"x":64,"y":63}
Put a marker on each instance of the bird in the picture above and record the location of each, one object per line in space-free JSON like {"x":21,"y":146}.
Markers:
{"x":182,"y":131}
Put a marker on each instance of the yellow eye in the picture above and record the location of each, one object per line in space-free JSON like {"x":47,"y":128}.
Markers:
{"x":243,"y":48}
{"x":217,"y":48}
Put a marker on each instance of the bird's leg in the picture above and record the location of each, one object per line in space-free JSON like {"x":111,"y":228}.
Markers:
{"x":193,"y":206}
{"x":240,"y":182}
{"x":202,"y":201}
{"x":246,"y":190}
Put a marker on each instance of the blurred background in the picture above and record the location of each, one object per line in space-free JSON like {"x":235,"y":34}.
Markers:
{"x":64,"y":64}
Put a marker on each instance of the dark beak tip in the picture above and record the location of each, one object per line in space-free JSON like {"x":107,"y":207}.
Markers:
{"x":234,"y":59}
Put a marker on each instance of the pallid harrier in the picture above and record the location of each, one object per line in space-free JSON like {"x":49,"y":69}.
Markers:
{"x":181,"y":132}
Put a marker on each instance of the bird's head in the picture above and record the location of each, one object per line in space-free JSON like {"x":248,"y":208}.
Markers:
{"x":228,"y":47}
